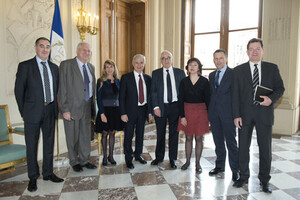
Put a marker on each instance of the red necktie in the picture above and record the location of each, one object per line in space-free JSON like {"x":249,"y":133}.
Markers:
{"x":141,"y":90}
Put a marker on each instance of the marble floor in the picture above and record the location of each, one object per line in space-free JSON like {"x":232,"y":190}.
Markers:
{"x":161,"y":182}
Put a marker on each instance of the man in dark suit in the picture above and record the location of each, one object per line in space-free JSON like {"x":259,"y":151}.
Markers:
{"x":135,"y":108}
{"x":248,"y":113}
{"x":35,"y":90}
{"x":76,"y":100}
{"x":164,"y":97}
{"x":220,"y":116}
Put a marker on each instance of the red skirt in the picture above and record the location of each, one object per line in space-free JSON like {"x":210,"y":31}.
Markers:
{"x":197,"y":120}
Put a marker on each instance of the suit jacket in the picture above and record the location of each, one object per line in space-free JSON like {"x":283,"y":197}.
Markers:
{"x":157,"y":87}
{"x":220,"y":99}
{"x":242,"y":91}
{"x":71,"y":93}
{"x":129,"y":95}
{"x":29,"y":90}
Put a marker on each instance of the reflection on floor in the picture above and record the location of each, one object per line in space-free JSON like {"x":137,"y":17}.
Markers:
{"x":161,"y":182}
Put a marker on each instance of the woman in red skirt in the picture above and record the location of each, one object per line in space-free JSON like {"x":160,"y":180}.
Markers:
{"x":193,"y":100}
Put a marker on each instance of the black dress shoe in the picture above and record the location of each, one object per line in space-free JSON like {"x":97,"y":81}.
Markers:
{"x":111,"y":160}
{"x":53,"y":178}
{"x":32,"y":185}
{"x":172,"y":164}
{"x":199,"y":169}
{"x":266,"y":187}
{"x":77,"y":168}
{"x":216,"y":170}
{"x":129,"y":165}
{"x":89,"y":165}
{"x":141,"y":160}
{"x":155,"y":162}
{"x":235,"y":176}
{"x":240,"y":183}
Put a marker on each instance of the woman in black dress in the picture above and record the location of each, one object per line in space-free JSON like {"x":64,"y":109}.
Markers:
{"x":108,"y":119}
{"x":194,"y":94}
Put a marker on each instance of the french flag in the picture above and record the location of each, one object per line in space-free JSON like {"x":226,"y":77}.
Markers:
{"x":58,"y":53}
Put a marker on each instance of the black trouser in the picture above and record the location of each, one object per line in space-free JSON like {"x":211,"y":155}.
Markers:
{"x":264,"y":141}
{"x":137,"y":122}
{"x":32,"y":134}
{"x":171,"y":113}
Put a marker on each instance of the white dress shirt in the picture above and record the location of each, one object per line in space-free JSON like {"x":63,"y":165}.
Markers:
{"x":174,"y":91}
{"x":259,"y":70}
{"x":41,"y":68}
{"x":137,"y":79}
{"x":80,"y":64}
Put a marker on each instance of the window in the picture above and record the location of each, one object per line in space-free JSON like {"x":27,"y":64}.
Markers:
{"x":226,"y":24}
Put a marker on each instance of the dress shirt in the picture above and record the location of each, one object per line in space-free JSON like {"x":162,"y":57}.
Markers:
{"x":80,"y":64}
{"x":38,"y":60}
{"x":174,"y":91}
{"x":137,"y":78}
{"x":221,"y":74}
{"x":252,"y":67}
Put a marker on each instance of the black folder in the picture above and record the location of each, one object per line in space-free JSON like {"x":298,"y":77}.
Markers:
{"x":261,"y":91}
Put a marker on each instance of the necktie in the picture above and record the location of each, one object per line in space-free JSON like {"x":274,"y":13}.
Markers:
{"x":217,"y":79}
{"x":46,"y":83}
{"x":255,"y":81}
{"x":169,"y":87}
{"x":86,"y":83}
{"x":141,"y":90}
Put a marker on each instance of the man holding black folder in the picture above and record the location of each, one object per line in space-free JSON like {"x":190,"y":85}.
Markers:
{"x":248,"y":112}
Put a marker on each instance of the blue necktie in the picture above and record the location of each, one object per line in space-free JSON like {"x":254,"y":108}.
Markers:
{"x":217,"y":79}
{"x":86,"y":83}
{"x":169,"y":87}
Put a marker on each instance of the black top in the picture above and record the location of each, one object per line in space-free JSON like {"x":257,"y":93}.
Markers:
{"x":189,"y":93}
{"x":108,"y":94}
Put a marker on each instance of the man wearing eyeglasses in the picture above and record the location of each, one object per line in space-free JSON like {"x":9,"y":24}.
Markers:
{"x":248,"y":112}
{"x":164,"y":97}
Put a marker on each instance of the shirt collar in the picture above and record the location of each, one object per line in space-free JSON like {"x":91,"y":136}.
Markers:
{"x":80,"y":63}
{"x":170,"y":69}
{"x":40,"y":60}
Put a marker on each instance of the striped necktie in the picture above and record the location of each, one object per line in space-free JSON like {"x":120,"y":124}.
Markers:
{"x":46,"y":83}
{"x":255,"y":81}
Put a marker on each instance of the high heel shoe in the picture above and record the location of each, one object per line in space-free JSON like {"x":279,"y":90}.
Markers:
{"x":104,"y":161}
{"x":185,"y":166}
{"x":111,"y":160}
{"x":199,"y":169}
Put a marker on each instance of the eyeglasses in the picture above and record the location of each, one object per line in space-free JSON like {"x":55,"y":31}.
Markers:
{"x":257,"y":49}
{"x":165,"y":58}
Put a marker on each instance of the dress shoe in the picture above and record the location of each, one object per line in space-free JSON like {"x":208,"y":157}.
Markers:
{"x":216,"y":170}
{"x":141,"y":160}
{"x":77,"y":168}
{"x":53,"y":178}
{"x":32,"y":185}
{"x":104,"y":161}
{"x":240,"y":183}
{"x":155,"y":162}
{"x":266,"y":187}
{"x":235,"y":176}
{"x":89,"y":165}
{"x":199,"y":169}
{"x":129,"y":165}
{"x":111,"y":160}
{"x":185,"y":166}
{"x":172,"y":164}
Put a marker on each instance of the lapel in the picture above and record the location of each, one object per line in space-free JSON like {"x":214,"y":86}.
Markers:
{"x":37,"y":74}
{"x":53,"y":76}
{"x":263,"y":72}
{"x":212,"y":80}
{"x":224,"y":78}
{"x":161,"y":80}
{"x":133,"y":83}
{"x":76,"y":70}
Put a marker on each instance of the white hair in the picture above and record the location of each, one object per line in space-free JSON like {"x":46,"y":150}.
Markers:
{"x":166,"y":51}
{"x":138,"y":56}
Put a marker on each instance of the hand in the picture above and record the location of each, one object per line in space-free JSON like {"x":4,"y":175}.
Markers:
{"x":67,"y":116}
{"x":183,"y":121}
{"x":103,"y":118}
{"x":149,"y":117}
{"x":124,"y":118}
{"x":238,"y":122}
{"x":267,"y":101}
{"x":157,"y":112}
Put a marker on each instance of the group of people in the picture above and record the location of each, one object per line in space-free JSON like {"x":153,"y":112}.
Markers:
{"x":187,"y":103}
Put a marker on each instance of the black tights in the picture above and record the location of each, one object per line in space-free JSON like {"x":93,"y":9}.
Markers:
{"x":189,"y":148}
{"x":111,"y":135}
